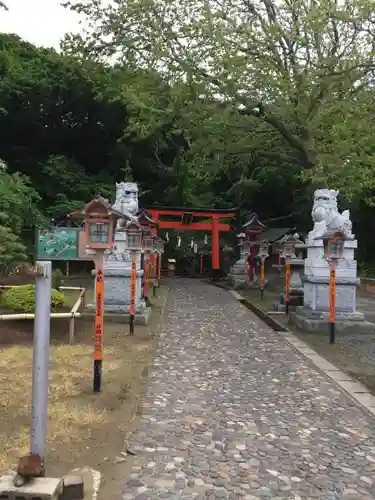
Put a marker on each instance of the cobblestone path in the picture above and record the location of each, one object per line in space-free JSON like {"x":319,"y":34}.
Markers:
{"x":232,"y":411}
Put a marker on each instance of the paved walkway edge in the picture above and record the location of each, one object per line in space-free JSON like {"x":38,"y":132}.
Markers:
{"x":356,"y":391}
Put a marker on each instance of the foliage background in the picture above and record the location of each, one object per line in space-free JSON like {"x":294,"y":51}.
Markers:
{"x":244,"y":130}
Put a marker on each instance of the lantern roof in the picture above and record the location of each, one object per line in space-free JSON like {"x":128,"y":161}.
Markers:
{"x":335,"y":233}
{"x":98,"y":207}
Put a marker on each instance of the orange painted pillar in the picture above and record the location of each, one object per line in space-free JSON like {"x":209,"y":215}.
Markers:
{"x":252,"y":262}
{"x":246,"y":268}
{"x":99,"y":321}
{"x":155,"y":218}
{"x":332,"y":301}
{"x":215,"y":244}
{"x":133,"y":285}
{"x":146,"y":286}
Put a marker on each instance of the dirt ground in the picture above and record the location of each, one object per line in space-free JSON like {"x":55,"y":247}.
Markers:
{"x":84,"y":429}
{"x":353,"y":354}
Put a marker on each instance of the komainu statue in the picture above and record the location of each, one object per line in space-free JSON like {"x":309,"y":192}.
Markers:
{"x":127,"y":199}
{"x":326,"y":216}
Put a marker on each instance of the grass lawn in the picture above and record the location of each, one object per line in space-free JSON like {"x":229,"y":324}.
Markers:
{"x":84,"y":429}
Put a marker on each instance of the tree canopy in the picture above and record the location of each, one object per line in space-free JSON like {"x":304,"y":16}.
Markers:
{"x":303,"y":68}
{"x":73,"y":124}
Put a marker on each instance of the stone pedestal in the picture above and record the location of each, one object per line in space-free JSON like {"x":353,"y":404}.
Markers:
{"x":236,"y":276}
{"x":313,"y":316}
{"x":117,"y":278}
{"x":296,"y":291}
{"x":117,"y":288}
{"x":295,"y":286}
{"x":117,"y":275}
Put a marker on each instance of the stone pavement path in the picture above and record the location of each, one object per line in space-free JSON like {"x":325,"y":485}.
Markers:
{"x":233,"y":411}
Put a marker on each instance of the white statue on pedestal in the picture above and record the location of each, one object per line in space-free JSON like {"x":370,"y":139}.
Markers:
{"x":117,"y":265}
{"x":127,"y":199}
{"x":126,"y":203}
{"x":326,"y":216}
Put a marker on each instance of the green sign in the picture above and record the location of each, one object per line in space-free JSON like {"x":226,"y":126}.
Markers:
{"x":59,"y":243}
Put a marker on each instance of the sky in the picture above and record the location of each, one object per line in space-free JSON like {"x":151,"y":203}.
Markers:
{"x":41,"y":22}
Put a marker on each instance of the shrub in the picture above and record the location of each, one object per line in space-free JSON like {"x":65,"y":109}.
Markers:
{"x":57,"y":277}
{"x":22,"y":298}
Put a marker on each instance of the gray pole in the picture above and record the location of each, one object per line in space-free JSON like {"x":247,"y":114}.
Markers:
{"x":41,"y":359}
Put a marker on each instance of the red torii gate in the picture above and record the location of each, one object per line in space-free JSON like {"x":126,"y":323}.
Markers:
{"x":187,"y":223}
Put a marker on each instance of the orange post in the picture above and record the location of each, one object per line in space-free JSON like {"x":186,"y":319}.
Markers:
{"x":99,"y":322}
{"x":252,"y":262}
{"x":147,"y":281}
{"x":262,"y":277}
{"x":287,"y":282}
{"x":215,"y":244}
{"x":154,"y":273}
{"x":133,"y":286}
{"x":332,"y":301}
{"x":246,"y":268}
{"x":159,"y":268}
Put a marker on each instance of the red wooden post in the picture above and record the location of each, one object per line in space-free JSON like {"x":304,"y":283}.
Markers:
{"x":215,"y":244}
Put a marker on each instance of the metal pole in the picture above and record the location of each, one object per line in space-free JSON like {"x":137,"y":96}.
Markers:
{"x":41,"y":360}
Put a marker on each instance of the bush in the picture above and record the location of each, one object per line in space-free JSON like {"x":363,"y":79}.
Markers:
{"x":22,"y":298}
{"x":57,"y":277}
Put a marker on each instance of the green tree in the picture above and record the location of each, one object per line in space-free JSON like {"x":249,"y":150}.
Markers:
{"x":18,"y":211}
{"x":57,"y":107}
{"x":304,"y":68}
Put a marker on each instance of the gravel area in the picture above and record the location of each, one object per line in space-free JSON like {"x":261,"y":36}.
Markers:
{"x":233,"y":412}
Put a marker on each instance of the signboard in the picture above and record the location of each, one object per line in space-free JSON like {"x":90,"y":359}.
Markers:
{"x":61,"y":243}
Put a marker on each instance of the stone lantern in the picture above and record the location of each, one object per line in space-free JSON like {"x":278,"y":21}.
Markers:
{"x":133,"y":244}
{"x":100,"y":224}
{"x":263,"y":250}
{"x":148,"y":241}
{"x":246,"y":248}
{"x":262,"y":255}
{"x":334,"y":245}
{"x":134,"y":237}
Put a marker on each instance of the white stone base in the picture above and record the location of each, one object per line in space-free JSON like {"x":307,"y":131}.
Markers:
{"x":317,"y":291}
{"x":117,"y":291}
